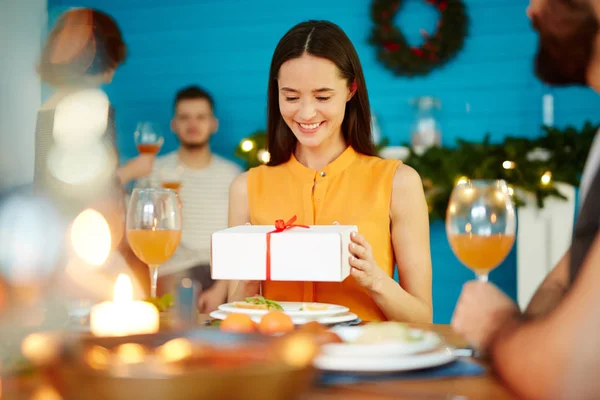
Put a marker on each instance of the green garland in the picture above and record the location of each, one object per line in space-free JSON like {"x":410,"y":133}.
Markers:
{"x":530,"y":165}
{"x":250,"y":148}
{"x":404,"y":60}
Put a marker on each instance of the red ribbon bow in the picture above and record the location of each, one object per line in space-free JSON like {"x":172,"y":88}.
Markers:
{"x":280,"y":226}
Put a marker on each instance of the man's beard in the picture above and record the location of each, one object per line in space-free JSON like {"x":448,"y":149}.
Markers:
{"x":565,"y":59}
{"x":193,"y":145}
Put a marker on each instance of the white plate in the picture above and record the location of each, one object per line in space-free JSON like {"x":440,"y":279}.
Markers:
{"x":291,"y":308}
{"x":349,"y":334}
{"x":327,"y":320}
{"x":384,"y":364}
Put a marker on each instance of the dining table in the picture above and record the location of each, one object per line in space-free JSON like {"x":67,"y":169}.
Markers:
{"x":483,"y":386}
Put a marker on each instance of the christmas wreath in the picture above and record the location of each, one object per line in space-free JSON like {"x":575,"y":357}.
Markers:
{"x":405,"y":60}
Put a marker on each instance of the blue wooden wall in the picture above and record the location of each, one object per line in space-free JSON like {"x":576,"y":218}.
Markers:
{"x":226,"y":45}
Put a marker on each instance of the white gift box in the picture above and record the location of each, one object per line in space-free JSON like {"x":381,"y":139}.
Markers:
{"x":316,"y":253}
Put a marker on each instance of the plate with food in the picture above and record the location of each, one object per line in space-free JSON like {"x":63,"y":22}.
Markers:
{"x":258,"y":305}
{"x":382,"y":339}
{"x":440,"y":356}
{"x":325,"y":320}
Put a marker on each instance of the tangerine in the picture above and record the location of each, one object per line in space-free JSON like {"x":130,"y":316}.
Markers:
{"x":238,"y":323}
{"x":275,"y":322}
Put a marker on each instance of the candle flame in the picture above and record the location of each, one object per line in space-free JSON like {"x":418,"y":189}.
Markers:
{"x":123,"y":289}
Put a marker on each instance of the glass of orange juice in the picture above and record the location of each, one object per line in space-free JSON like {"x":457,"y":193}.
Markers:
{"x":153,"y":227}
{"x":481,"y":224}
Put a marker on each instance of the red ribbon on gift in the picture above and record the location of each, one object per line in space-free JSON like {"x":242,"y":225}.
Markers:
{"x":280,"y":226}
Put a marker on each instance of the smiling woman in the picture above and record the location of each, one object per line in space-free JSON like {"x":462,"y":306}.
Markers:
{"x":323,"y":169}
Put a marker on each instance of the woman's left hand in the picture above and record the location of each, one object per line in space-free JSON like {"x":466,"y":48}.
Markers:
{"x":364,"y":268}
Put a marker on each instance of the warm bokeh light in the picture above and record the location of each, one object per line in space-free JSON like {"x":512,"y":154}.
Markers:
{"x":97,"y":357}
{"x":509,"y":164}
{"x":247,"y":145}
{"x":501,"y":196}
{"x":298,"y":350}
{"x":546,"y":178}
{"x":81,"y":119}
{"x":462,"y":180}
{"x":131,"y":353}
{"x":40,"y":348}
{"x":77,"y":166}
{"x":264,"y":156}
{"x":452,"y":209}
{"x":90,"y":237}
{"x":46,"y":393}
{"x":175,"y":350}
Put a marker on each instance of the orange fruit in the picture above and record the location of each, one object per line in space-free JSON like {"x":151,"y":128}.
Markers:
{"x":275,"y":322}
{"x":238,"y":323}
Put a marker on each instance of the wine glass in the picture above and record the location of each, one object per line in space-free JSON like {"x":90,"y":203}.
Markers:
{"x":481,"y":224}
{"x":148,"y":138}
{"x":170,"y":178}
{"x":153,"y":227}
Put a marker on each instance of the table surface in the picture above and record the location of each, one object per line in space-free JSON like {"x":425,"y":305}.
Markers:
{"x":486,"y":386}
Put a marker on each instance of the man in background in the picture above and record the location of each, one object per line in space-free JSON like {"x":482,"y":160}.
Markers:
{"x":204,"y":192}
{"x":552,"y":350}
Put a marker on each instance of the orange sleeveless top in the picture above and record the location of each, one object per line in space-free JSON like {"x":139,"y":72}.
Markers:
{"x":354,"y":189}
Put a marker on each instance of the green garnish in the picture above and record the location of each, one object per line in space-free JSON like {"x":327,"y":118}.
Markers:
{"x":271,"y":305}
{"x":415,"y":336}
{"x":162,"y":303}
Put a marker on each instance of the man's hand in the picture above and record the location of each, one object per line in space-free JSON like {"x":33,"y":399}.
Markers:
{"x":136,"y":168}
{"x":481,"y":312}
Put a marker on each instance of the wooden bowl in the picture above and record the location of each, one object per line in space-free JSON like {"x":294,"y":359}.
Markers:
{"x":226,"y":366}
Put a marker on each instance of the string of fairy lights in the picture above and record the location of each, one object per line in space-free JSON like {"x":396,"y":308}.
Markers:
{"x":529,"y":164}
{"x":262,"y":155}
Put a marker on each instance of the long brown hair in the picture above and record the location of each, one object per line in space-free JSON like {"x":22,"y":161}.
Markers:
{"x":326,"y":40}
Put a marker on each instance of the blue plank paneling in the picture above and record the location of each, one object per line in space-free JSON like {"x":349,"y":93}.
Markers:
{"x":226,"y":45}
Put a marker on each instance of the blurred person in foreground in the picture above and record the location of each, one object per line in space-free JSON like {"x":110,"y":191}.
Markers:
{"x":552,"y":349}
{"x":82,"y":52}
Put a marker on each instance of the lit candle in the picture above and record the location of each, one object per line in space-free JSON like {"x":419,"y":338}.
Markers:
{"x":123,"y":316}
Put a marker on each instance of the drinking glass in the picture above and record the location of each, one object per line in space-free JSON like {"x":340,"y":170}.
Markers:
{"x":148,"y":138}
{"x":481,"y":224}
{"x":153,"y":227}
{"x":170,"y":178}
